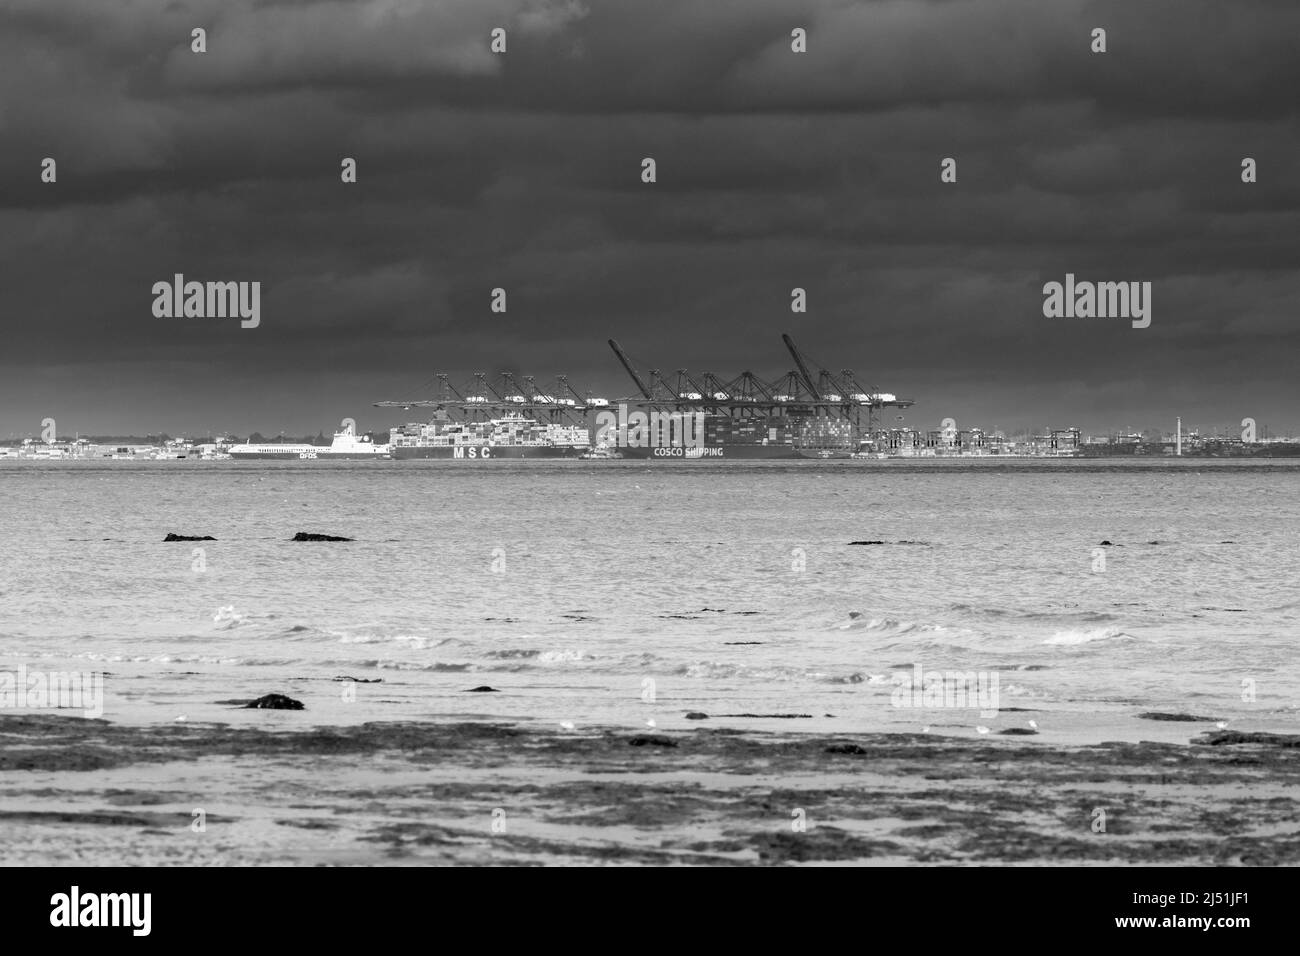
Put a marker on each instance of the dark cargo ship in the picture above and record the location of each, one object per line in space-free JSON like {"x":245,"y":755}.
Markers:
{"x":745,"y":438}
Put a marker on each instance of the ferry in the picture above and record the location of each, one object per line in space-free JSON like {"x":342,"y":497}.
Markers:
{"x":347,"y":445}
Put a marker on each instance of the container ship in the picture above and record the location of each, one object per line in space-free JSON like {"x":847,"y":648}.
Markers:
{"x":510,"y":436}
{"x":752,"y":437}
{"x":347,"y":445}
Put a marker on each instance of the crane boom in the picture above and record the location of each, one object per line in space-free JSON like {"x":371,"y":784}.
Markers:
{"x":645,"y":390}
{"x":803,"y":367}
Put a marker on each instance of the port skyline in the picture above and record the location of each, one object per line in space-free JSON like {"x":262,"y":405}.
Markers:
{"x":912,"y":206}
{"x":1193,"y":436}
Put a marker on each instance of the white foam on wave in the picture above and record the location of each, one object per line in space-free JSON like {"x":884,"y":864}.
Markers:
{"x":561,"y":657}
{"x":177,"y":659}
{"x":725,"y":670}
{"x":896,"y":632}
{"x":858,"y":677}
{"x":864,"y":623}
{"x":225,"y":618}
{"x":417,"y":642}
{"x":893,"y":625}
{"x":359,"y":638}
{"x":1075,"y":636}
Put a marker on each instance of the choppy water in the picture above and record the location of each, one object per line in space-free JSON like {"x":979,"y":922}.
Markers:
{"x":613,"y":574}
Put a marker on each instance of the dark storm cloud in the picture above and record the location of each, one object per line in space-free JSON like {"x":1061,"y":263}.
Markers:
{"x":776,"y":170}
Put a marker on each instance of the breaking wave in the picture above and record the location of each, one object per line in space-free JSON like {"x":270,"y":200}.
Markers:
{"x":1074,"y":636}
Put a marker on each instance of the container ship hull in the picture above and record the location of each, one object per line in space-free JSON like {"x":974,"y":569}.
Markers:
{"x":727,"y":452}
{"x":735,"y":452}
{"x":484,"y":452}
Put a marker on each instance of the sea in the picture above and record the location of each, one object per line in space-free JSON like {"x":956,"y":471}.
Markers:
{"x":621,"y":594}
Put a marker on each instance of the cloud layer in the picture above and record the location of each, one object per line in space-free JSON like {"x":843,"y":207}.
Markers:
{"x":775,"y":170}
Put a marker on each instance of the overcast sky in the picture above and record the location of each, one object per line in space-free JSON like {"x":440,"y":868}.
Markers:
{"x":775,"y":170}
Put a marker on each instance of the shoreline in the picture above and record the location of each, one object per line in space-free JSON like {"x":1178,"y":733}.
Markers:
{"x":92,"y":792}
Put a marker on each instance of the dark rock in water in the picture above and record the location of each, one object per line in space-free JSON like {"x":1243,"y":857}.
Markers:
{"x":361,"y":680}
{"x":188,"y":537}
{"x":1153,"y":542}
{"x":740,"y":643}
{"x":483,"y":689}
{"x":783,"y":716}
{"x":1018,"y":732}
{"x":697,"y":715}
{"x":275,"y":702}
{"x":1106,"y":544}
{"x":1218,"y":738}
{"x":309,"y":536}
{"x":1156,"y":715}
{"x":651,"y":740}
{"x":845,"y":749}
{"x":904,"y":541}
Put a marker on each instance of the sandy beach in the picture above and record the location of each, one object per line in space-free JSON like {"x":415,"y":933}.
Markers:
{"x":79,"y":791}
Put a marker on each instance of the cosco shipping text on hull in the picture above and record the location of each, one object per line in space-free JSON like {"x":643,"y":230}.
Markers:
{"x":711,"y":453}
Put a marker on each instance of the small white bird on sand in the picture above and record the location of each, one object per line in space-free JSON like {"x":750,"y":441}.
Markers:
{"x":1034,"y":724}
{"x":982,"y":729}
{"x":650,"y":722}
{"x":1221,"y":724}
{"x":925,"y":729}
{"x":179,"y":719}
{"x":566,"y":725}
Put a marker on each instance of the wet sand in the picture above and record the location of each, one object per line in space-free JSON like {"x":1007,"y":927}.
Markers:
{"x":80,"y":791}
